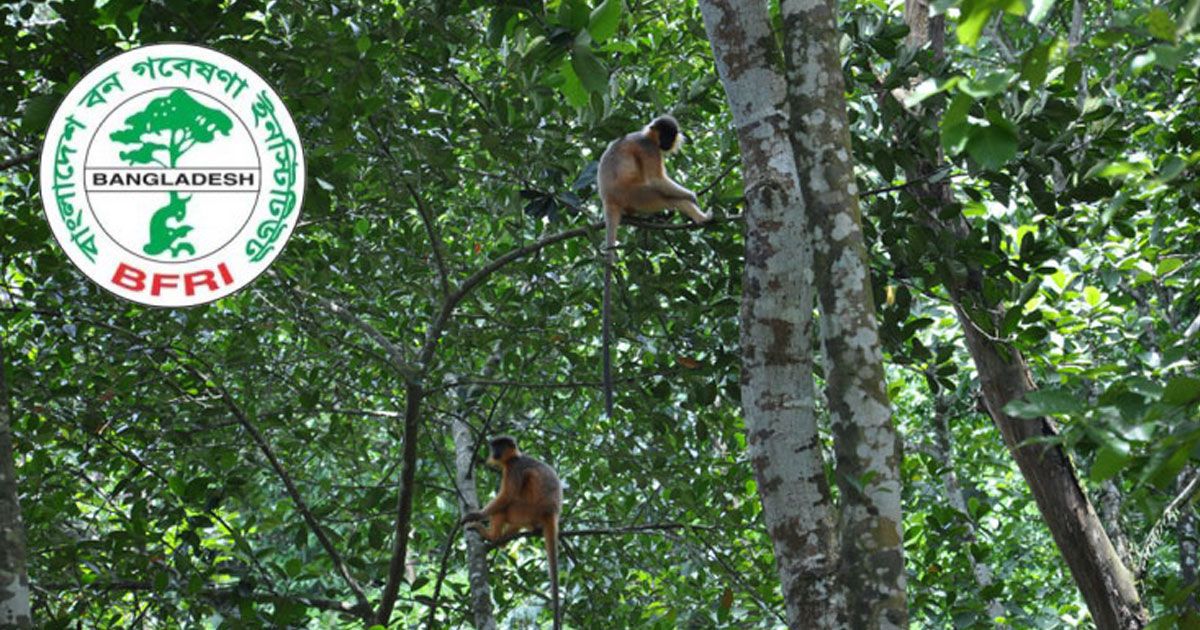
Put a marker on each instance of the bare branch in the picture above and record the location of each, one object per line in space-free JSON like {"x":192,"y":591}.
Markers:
{"x":265,"y":448}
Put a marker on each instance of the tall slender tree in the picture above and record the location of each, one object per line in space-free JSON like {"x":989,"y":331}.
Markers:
{"x":799,"y":203}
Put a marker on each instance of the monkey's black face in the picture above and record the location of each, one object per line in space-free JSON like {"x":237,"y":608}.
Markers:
{"x":500,"y":446}
{"x":668,"y":132}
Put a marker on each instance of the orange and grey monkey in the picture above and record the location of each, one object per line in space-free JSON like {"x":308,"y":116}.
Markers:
{"x":530,"y":498}
{"x":632,"y":180}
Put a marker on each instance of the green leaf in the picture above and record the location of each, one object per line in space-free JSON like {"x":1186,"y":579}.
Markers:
{"x":591,"y":72}
{"x":990,"y":85}
{"x":956,"y":113}
{"x":1117,"y":169}
{"x":1041,"y":8}
{"x":1035,"y":64}
{"x":992,"y":146}
{"x":573,"y":14}
{"x":571,"y":87}
{"x":954,"y":126}
{"x":1091,"y":295}
{"x":1109,"y":461}
{"x":1182,"y":390}
{"x":975,"y":14}
{"x":928,"y":88}
{"x":1044,"y":402}
{"x":1167,"y":265}
{"x":293,"y":567}
{"x":38,"y":111}
{"x":1160,"y":24}
{"x":1170,"y":168}
{"x":363,"y":44}
{"x":604,"y":20}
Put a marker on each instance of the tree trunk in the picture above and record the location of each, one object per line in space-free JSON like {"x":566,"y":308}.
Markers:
{"x":1187,"y":536}
{"x":1106,"y":584}
{"x":1109,"y":501}
{"x":14,"y":576}
{"x":943,"y":451}
{"x":477,"y":568}
{"x":776,"y":318}
{"x":468,"y":492}
{"x":868,"y":450}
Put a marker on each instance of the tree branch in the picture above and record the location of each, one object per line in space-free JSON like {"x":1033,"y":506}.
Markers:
{"x":17,"y":160}
{"x":606,"y":531}
{"x":435,"y":240}
{"x":213,"y":593}
{"x":451,"y":302}
{"x":265,"y":448}
{"x":395,"y":355}
{"x":404,"y":501}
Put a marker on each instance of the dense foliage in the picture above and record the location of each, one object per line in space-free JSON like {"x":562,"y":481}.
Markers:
{"x":443,"y":136}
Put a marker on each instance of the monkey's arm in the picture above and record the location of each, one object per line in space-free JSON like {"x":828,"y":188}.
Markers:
{"x":495,"y":505}
{"x":510,"y":487}
{"x":668,"y":188}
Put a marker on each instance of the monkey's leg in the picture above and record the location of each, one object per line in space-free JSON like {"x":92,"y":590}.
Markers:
{"x":496,"y":527}
{"x":671,"y":190}
{"x":692,"y":211}
{"x":654,"y":196}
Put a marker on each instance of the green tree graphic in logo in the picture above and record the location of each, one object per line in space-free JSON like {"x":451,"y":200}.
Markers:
{"x":164,"y":131}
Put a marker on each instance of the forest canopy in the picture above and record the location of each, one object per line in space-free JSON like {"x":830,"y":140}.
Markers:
{"x":937,"y":344}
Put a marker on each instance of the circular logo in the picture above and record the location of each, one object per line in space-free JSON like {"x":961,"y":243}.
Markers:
{"x":172,"y":175}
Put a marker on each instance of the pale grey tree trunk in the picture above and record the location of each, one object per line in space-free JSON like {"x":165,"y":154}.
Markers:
{"x":464,"y":479}
{"x":477,"y":568}
{"x":943,"y":451}
{"x":865,"y":441}
{"x":14,"y":576}
{"x":776,"y":318}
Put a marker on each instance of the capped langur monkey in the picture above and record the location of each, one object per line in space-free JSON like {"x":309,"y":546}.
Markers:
{"x":633,"y":181}
{"x":530,"y":497}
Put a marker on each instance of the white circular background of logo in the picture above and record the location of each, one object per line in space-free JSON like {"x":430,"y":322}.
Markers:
{"x":222,"y":227}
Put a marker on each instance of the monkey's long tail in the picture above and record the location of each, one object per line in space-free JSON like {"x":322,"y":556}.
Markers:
{"x":606,"y":314}
{"x":551,"y":535}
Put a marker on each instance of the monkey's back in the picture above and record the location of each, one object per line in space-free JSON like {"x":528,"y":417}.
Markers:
{"x":624,"y":166}
{"x":540,"y":492}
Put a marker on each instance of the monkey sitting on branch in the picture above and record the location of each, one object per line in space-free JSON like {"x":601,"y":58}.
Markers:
{"x":530,"y":497}
{"x":632,"y":181}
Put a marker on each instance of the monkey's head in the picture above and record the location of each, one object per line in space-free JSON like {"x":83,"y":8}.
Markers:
{"x":504,"y":448}
{"x":666,"y":131}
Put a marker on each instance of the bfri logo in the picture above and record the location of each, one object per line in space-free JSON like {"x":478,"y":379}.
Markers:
{"x":172,"y":175}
